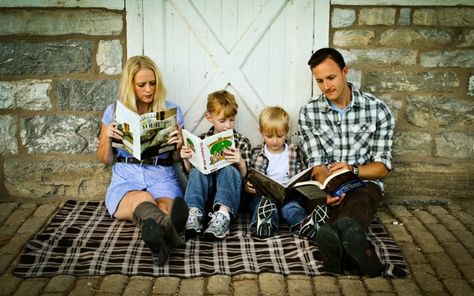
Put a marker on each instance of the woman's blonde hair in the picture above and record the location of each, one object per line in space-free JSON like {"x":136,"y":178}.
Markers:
{"x":126,"y":92}
{"x":274,"y":119}
{"x":222,"y":100}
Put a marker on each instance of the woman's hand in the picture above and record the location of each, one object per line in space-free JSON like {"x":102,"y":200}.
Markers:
{"x":249,"y":188}
{"x":175,"y":137}
{"x":113,"y":132}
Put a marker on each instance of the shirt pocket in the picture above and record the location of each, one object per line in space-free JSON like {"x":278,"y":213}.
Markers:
{"x":362,"y":137}
{"x":327,"y":139}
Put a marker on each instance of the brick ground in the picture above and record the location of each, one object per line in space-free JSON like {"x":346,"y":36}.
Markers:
{"x":438,"y":243}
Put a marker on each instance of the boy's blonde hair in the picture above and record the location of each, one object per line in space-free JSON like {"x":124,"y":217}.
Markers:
{"x":274,"y":119}
{"x":222,"y":100}
{"x":126,"y":91}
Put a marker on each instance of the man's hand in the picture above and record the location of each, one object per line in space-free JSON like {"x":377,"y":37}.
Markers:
{"x":334,"y":201}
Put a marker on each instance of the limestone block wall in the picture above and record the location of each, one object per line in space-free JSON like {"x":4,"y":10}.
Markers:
{"x":59,"y":69}
{"x":420,"y":60}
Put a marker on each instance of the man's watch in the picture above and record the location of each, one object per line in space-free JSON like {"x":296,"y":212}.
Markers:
{"x":355,"y":170}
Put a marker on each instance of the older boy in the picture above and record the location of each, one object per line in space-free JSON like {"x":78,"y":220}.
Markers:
{"x":221,"y":114}
{"x":280,"y":161}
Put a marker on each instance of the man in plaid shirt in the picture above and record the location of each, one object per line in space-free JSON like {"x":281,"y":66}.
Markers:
{"x":345,"y":128}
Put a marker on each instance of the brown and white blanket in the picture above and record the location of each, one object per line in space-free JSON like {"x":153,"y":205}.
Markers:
{"x":82,"y":239}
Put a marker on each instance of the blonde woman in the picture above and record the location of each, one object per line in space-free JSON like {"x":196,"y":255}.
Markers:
{"x":145,"y":192}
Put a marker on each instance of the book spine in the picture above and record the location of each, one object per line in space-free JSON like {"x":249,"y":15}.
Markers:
{"x":348,"y":186}
{"x":203,"y":155}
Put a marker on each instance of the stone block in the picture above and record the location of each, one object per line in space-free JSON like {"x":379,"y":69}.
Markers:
{"x":166,"y":286}
{"x":378,"y":284}
{"x":457,"y":286}
{"x":56,"y":178}
{"x":299,"y":287}
{"x":429,"y":180}
{"x":60,"y":133}
{"x":86,"y":286}
{"x":114,"y":284}
{"x":353,"y":38}
{"x":60,"y":284}
{"x":8,"y":141}
{"x":470,"y":89}
{"x":25,"y":94}
{"x":377,"y":16}
{"x":458,"y":253}
{"x":46,"y":58}
{"x":412,"y":143}
{"x":455,"y":144}
{"x":325,"y":284}
{"x":466,"y":39}
{"x":86,"y":95}
{"x":426,"y":38}
{"x":444,"y":17}
{"x":9,"y":283}
{"x":6,"y":208}
{"x":412,"y":253}
{"x":54,"y":22}
{"x":246,"y":287}
{"x":423,"y":238}
{"x":443,"y":266}
{"x":342,"y":17}
{"x":138,"y":286}
{"x":352,"y":287}
{"x":439,"y":111}
{"x":406,"y":287}
{"x":441,"y":233}
{"x":272,"y":284}
{"x":404,"y":18}
{"x":219,"y":284}
{"x":109,"y":57}
{"x":380,"y":57}
{"x":425,"y":276}
{"x":31,"y":287}
{"x":462,"y":58}
{"x":192,"y":287}
{"x":394,"y":104}
{"x":404,"y":81}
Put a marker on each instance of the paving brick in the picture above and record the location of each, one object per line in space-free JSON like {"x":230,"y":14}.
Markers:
{"x":399,"y":211}
{"x":165,"y":286}
{"x":86,"y":286}
{"x":437,"y":210}
{"x":399,"y":231}
{"x":383,"y":294}
{"x":468,"y":271}
{"x":21,"y":214}
{"x":458,"y":253}
{"x":192,"y":287}
{"x":245,"y":276}
{"x":114,"y":284}
{"x":441,"y":233}
{"x":138,"y":285}
{"x":15,"y":245}
{"x":30,"y":287}
{"x":463,"y":216}
{"x":412,"y":253}
{"x":325,"y":284}
{"x":378,"y":284}
{"x":352,"y":287}
{"x":272,"y":284}
{"x":451,"y":222}
{"x":219,"y":284}
{"x":426,"y":279}
{"x":425,"y":217}
{"x":458,"y":287}
{"x":406,"y":287}
{"x":60,"y":284}
{"x":300,"y":287}
{"x":421,"y":235}
{"x":246,"y":288}
{"x":443,"y":266}
{"x":466,"y":238}
{"x":46,"y":210}
{"x":6,"y":208}
{"x":32,"y":225}
{"x":8,"y":284}
{"x":6,"y":262}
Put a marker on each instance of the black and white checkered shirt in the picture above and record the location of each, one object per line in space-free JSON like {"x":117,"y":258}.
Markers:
{"x":363,"y":135}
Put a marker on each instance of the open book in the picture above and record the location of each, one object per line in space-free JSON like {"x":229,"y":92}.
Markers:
{"x":341,"y":182}
{"x":145,"y":135}
{"x":336,"y":184}
{"x":208,"y":153}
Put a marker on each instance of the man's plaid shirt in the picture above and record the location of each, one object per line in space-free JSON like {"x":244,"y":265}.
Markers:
{"x":363,"y":135}
{"x":241,"y":143}
{"x":296,"y":163}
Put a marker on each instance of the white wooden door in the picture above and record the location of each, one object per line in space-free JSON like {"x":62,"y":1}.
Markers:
{"x":256,"y":49}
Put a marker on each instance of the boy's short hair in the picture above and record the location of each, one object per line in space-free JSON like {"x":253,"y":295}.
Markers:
{"x":222,"y":100}
{"x":274,"y":119}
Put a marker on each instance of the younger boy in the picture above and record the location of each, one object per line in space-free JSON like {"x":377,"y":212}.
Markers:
{"x":227,"y":181}
{"x":280,"y":161}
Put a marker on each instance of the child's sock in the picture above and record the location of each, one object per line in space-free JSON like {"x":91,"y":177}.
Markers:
{"x":225,"y":211}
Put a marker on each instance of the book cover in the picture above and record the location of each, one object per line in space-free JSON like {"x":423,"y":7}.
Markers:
{"x":266,"y":186}
{"x":343,"y":181}
{"x":208,"y":153}
{"x":145,"y":135}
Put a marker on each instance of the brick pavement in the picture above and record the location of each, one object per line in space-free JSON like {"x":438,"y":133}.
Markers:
{"x":437,"y":240}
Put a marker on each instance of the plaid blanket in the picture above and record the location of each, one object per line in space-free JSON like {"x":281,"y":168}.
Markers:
{"x":82,"y":239}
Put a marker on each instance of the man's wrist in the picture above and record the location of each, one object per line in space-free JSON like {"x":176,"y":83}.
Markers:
{"x":356,"y":170}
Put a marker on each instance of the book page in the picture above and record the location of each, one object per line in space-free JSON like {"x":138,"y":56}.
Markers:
{"x":128,"y":122}
{"x":196,"y":144}
{"x":215,"y":145}
{"x":155,"y":128}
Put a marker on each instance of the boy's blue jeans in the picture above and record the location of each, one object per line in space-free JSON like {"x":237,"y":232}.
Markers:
{"x":227,"y":185}
{"x":292,"y":212}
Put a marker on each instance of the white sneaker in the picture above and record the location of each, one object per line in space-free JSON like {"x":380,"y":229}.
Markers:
{"x":218,"y":226}
{"x":194,"y":223}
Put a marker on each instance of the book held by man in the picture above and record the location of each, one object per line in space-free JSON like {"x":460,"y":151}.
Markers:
{"x":336,"y":184}
{"x":145,"y":135}
{"x":208,"y":153}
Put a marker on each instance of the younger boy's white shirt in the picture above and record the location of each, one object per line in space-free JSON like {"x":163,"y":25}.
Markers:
{"x":278,"y":165}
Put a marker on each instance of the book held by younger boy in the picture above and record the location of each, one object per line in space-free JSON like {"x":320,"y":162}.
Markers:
{"x":145,"y":135}
{"x":208,"y":153}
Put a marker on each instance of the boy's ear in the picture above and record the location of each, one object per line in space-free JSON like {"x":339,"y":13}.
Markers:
{"x":208,"y":116}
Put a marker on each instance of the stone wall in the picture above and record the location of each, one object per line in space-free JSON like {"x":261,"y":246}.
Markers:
{"x":59,"y":70}
{"x":420,"y":60}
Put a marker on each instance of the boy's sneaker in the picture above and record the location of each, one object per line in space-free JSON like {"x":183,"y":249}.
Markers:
{"x":311,"y":224}
{"x":194,"y":223}
{"x":218,"y":226}
{"x":265,"y":211}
